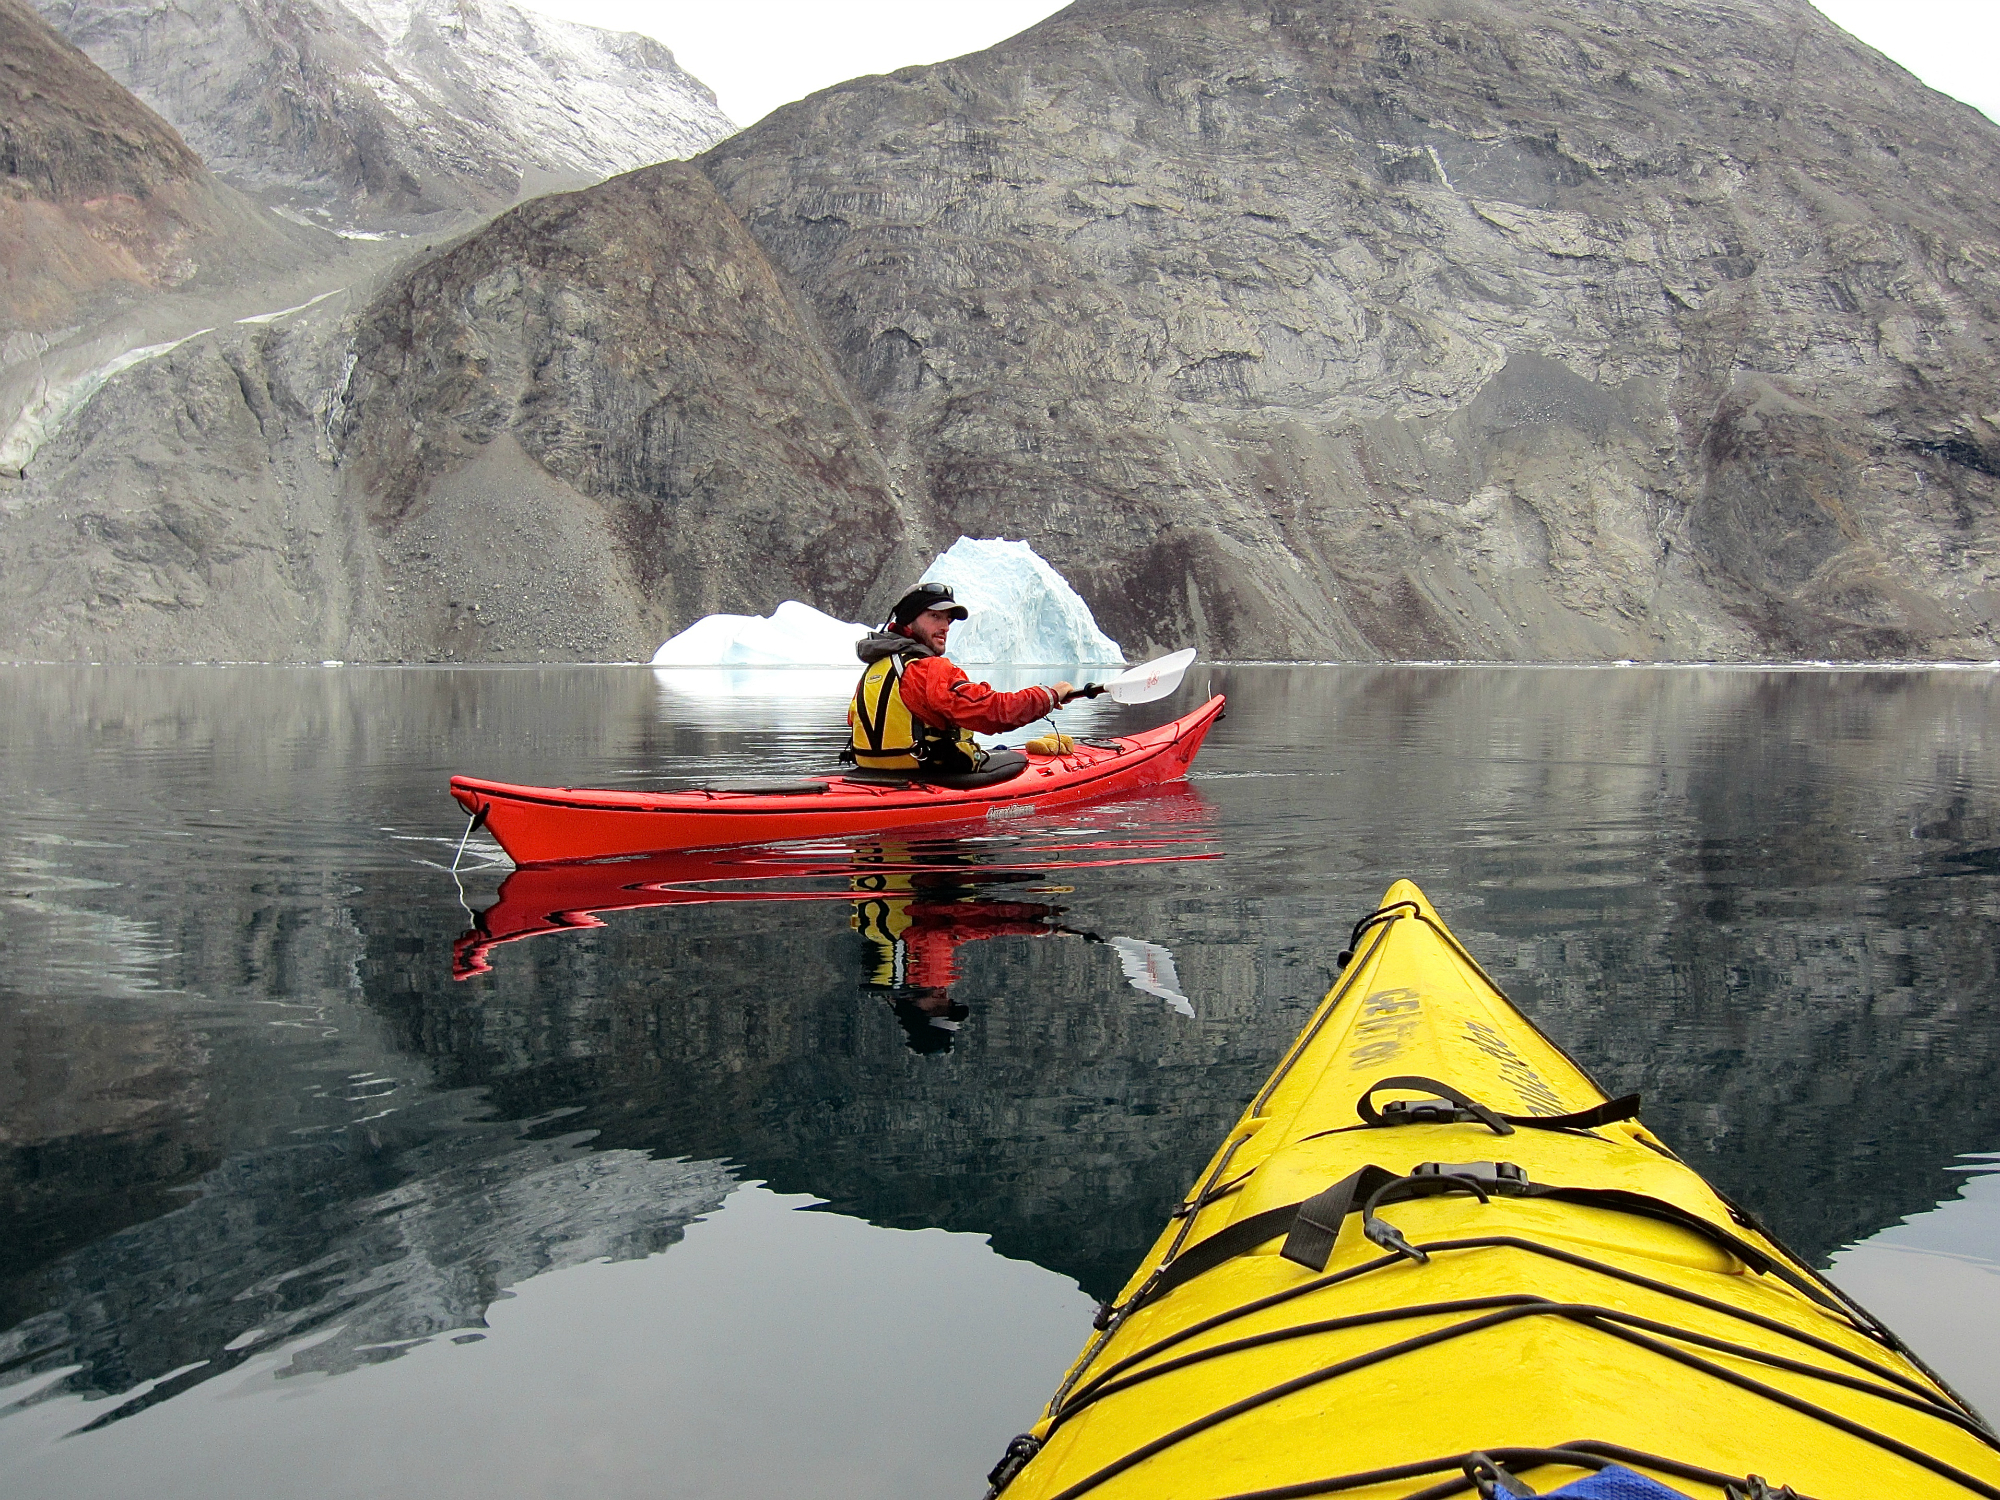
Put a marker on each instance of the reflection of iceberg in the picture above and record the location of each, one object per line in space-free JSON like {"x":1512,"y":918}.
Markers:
{"x":805,"y":706}
{"x":760,"y":682}
{"x":792,"y":635}
{"x":804,"y":700}
{"x":1023,"y":610}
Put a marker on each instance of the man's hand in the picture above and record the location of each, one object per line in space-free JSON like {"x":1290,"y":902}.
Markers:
{"x":1062,"y":690}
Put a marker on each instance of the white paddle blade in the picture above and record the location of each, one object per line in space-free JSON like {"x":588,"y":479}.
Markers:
{"x":1149,"y":968}
{"x":1150,"y":680}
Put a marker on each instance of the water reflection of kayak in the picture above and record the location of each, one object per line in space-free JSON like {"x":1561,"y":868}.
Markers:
{"x":1432,"y":1250}
{"x":538,"y":824}
{"x":1160,"y":826}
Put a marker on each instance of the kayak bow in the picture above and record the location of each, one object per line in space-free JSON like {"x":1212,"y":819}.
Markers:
{"x":1433,"y":1258}
{"x":537,"y":823}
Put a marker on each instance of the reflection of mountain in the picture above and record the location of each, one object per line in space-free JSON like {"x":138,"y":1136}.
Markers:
{"x":1060,"y":1124}
{"x":377,"y":1242}
{"x":1764,"y":900}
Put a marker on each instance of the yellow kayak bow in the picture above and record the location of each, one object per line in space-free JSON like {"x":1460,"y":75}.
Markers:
{"x":1433,"y":1258}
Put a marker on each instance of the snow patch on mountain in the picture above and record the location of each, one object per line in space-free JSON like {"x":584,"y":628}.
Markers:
{"x":385,"y":110}
{"x":54,"y":404}
{"x":570,"y":99}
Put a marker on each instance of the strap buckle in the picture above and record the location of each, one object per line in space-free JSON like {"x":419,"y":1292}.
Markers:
{"x":1446,"y":1106}
{"x":1424,"y":1112}
{"x":1504,"y":1179}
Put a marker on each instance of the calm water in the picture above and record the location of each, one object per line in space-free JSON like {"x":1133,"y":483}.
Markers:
{"x":325,"y":1172}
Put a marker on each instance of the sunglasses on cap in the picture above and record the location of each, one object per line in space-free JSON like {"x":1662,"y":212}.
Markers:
{"x":927,"y":596}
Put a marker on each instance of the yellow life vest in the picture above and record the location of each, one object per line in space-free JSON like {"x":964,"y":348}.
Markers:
{"x":883,"y":920}
{"x":885,"y":736}
{"x":882,"y":916}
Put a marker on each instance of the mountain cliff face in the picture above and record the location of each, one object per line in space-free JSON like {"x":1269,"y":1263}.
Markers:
{"x":97,"y":193}
{"x":1493,"y":329}
{"x":1430,"y":327}
{"x":376,"y":111}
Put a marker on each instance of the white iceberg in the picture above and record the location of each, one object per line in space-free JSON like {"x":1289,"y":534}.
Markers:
{"x":1023,"y":613}
{"x":792,"y":635}
{"x":1022,"y":610}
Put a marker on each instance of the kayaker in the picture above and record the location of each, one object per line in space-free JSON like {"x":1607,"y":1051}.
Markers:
{"x":914,"y":710}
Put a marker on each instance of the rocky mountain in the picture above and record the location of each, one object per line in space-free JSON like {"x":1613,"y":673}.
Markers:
{"x":374,"y":112}
{"x":100,"y":196}
{"x":1427,"y":327}
{"x":1492,"y":329}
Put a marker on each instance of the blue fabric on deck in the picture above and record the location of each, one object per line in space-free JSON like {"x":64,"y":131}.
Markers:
{"x":1615,"y":1483}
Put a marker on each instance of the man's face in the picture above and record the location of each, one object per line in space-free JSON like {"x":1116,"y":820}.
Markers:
{"x":931,"y":627}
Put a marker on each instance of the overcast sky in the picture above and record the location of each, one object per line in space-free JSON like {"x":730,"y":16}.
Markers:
{"x":758,"y":54}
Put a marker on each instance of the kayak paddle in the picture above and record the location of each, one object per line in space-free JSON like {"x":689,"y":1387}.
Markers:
{"x":1143,"y":683}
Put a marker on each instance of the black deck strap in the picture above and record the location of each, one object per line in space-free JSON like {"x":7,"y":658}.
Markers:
{"x":1861,"y":1316}
{"x":1625,"y":1107}
{"x":1316,"y":1222}
{"x":1467,"y":1107}
{"x":1311,"y":1228}
{"x":1246,"y":1235}
{"x":1610,"y":1112}
{"x":1189,"y":1207}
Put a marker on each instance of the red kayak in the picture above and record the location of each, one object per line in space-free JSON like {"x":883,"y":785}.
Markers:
{"x":539,"y":824}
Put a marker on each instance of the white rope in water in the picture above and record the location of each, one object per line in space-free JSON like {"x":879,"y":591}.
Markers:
{"x":464,"y":838}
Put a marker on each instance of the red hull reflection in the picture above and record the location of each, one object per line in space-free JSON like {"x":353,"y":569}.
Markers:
{"x":915,"y":899}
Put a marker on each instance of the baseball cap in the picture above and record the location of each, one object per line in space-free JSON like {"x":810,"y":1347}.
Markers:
{"x":927,"y":596}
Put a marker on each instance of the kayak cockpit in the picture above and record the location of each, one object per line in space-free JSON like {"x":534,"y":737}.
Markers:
{"x":1002,"y":765}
